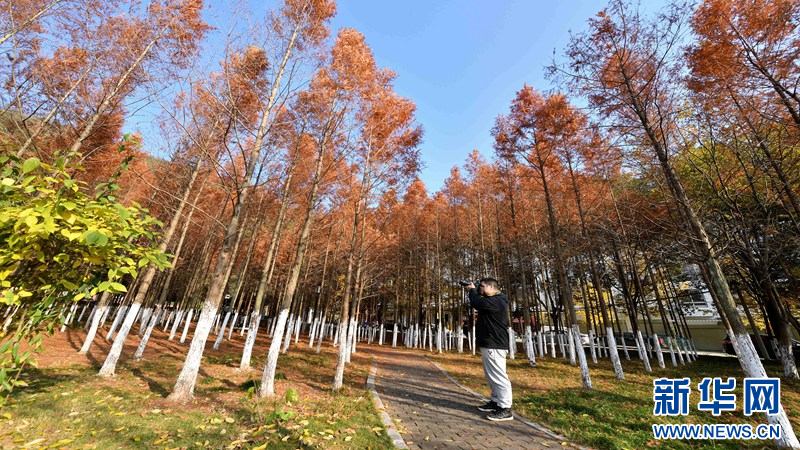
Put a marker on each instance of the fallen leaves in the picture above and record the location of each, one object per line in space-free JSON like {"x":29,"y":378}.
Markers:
{"x":33,"y":442}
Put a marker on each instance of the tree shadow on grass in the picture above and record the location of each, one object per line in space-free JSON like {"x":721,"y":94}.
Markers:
{"x":154,"y":386}
{"x":77,"y":344}
{"x":39,"y":382}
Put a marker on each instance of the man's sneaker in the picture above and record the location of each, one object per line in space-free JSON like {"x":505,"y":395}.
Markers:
{"x":501,"y":415}
{"x":489,"y":407}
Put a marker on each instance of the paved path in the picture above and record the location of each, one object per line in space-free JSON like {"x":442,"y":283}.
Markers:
{"x":432,"y":412}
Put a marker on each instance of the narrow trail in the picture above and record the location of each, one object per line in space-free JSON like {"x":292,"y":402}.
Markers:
{"x":433,"y":412}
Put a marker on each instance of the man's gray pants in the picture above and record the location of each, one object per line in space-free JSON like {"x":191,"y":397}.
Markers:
{"x":494,"y":368}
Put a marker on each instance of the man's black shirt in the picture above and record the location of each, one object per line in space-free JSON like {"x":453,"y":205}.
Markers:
{"x":491,"y":329}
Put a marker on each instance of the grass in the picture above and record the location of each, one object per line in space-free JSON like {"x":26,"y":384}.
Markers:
{"x":68,"y":406}
{"x":65,"y":404}
{"x":617,"y":414}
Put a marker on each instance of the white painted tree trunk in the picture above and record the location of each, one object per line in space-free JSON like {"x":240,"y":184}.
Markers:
{"x":252,"y":334}
{"x":751,"y":365}
{"x":529,"y":345}
{"x":90,"y":318}
{"x":350,"y":341}
{"x":233,"y":324}
{"x":312,"y":332}
{"x":787,"y":361}
{"x":625,"y":349}
{"x":170,"y":316}
{"x":394,"y":335}
{"x":186,"y":328}
{"x":287,"y":339}
{"x":614,"y":353}
{"x":271,"y":323}
{"x":245,"y":322}
{"x":571,"y":347}
{"x":110,"y":364}
{"x":268,"y":377}
{"x":643,"y":352}
{"x":672,"y":352}
{"x":381,"y":335}
{"x":576,"y":337}
{"x":9,"y":318}
{"x":512,"y":343}
{"x":439,"y":337}
{"x":184,"y":386}
{"x":322,"y":335}
{"x":143,"y":344}
{"x":83,"y":310}
{"x":474,"y":349}
{"x":221,"y":331}
{"x":145,"y":319}
{"x":591,"y":346}
{"x":68,"y":320}
{"x":679,"y":352}
{"x":176,"y":324}
{"x":659,"y":353}
{"x":120,"y":313}
{"x":541,"y":343}
{"x":336,"y":334}
{"x":106,"y":313}
{"x":100,"y":311}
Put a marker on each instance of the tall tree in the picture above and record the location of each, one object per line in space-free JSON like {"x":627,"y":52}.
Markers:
{"x":535,"y":129}
{"x":625,"y":64}
{"x":299,"y":26}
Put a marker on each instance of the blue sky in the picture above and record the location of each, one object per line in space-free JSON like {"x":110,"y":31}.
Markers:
{"x":460,"y":61}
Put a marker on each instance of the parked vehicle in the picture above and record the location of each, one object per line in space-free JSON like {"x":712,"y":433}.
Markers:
{"x":768,"y":342}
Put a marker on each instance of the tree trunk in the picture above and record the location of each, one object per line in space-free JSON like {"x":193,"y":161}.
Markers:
{"x":268,"y":377}
{"x":100,"y":311}
{"x":110,"y":364}
{"x":563,"y":282}
{"x":746,"y":352}
{"x":266,"y":271}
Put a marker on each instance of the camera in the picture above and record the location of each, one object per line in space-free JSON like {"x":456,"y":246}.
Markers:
{"x":465,"y":283}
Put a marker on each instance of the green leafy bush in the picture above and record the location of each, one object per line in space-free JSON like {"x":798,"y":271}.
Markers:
{"x":60,"y":243}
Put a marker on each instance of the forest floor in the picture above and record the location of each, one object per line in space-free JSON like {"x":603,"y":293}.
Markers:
{"x":617,"y":414}
{"x":65,"y":404}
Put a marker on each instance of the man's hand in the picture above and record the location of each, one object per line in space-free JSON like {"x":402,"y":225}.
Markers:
{"x":470,"y":286}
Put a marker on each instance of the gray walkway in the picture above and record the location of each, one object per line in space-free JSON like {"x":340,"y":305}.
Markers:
{"x":432,"y":412}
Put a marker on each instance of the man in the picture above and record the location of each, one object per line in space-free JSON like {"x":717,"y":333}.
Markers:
{"x":491,"y":336}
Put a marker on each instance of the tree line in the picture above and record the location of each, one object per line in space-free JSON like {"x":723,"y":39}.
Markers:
{"x":291,"y":192}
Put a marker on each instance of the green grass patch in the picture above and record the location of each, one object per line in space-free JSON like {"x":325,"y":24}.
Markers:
{"x":70,"y":407}
{"x":618,"y":414}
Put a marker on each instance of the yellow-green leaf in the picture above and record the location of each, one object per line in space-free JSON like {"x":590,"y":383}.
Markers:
{"x":30,"y":164}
